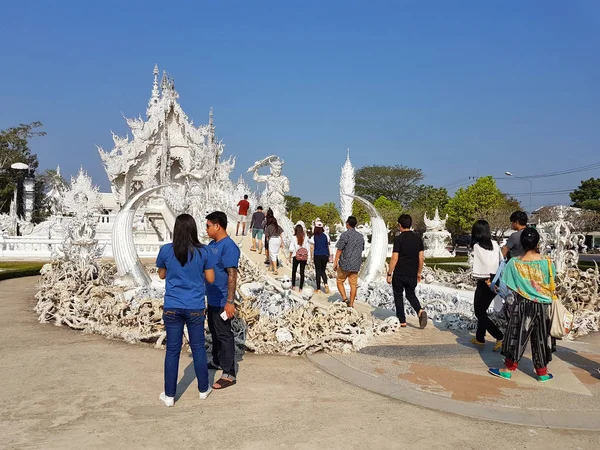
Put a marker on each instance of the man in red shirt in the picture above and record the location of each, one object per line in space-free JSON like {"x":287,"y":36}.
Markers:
{"x":243,"y":207}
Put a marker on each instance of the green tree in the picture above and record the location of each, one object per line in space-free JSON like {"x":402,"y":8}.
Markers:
{"x":428,"y":198}
{"x":390,"y":210}
{"x":587,"y":195}
{"x":360,"y":212}
{"x":398,"y":183}
{"x":471,"y":203}
{"x":306,"y":211}
{"x":292,"y":202}
{"x":329,"y":214}
{"x":14,"y":147}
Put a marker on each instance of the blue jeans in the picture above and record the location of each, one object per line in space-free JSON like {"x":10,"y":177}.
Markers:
{"x":174,"y":319}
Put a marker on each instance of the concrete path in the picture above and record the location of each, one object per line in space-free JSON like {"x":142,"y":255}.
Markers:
{"x":68,"y":390}
{"x":440,"y":369}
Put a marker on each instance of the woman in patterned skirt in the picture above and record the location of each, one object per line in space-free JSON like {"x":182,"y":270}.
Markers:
{"x":531,"y":277}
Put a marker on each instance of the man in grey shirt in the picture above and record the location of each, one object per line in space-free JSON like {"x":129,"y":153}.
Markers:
{"x":348,"y":259}
{"x":513,"y":247}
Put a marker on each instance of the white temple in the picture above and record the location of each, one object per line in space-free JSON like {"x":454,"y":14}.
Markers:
{"x":164,"y":149}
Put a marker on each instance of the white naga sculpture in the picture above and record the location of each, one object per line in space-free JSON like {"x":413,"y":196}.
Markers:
{"x":436,"y":237}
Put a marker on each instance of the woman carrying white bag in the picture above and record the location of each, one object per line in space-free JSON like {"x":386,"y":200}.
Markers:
{"x":531,"y":277}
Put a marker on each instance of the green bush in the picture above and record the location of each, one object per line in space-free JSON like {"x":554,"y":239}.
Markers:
{"x":19,"y":269}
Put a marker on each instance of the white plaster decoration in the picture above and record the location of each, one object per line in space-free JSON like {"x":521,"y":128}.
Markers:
{"x":436,"y":237}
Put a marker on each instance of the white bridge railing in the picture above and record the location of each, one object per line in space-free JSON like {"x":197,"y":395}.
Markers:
{"x":19,"y":247}
{"x":23,"y":247}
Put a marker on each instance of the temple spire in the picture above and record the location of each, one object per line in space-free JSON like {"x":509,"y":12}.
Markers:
{"x":211,"y":125}
{"x":155,"y":93}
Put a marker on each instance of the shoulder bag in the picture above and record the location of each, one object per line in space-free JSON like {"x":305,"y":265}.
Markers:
{"x":562,"y":318}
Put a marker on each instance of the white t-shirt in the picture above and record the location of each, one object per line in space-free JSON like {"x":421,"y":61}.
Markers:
{"x":294,"y":246}
{"x":486,"y":262}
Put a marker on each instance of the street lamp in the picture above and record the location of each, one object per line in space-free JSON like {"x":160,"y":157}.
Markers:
{"x":530,"y":187}
{"x":18,"y":166}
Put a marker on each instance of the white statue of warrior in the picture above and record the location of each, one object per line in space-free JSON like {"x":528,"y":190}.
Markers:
{"x":276,"y":185}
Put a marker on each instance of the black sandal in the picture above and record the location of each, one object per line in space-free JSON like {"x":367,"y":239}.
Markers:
{"x":223,"y":383}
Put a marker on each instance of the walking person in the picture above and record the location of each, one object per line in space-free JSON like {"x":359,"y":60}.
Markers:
{"x":299,"y":251}
{"x":486,"y":260}
{"x":513,"y":248}
{"x":186,"y":265}
{"x":320,"y":255}
{"x":257,"y":225}
{"x":406,"y":266}
{"x":273,"y":234}
{"x":348,"y":259}
{"x":243,"y":207}
{"x":531,"y":277}
{"x":221,"y":298}
{"x":268,"y":220}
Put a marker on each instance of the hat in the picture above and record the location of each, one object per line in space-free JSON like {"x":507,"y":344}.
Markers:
{"x":319,"y":224}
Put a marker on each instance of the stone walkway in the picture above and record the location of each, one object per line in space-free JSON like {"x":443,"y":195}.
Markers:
{"x":440,"y":369}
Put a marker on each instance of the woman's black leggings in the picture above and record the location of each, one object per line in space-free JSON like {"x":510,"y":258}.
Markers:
{"x":320,"y":266}
{"x":295,"y":264}
{"x":483,"y":300}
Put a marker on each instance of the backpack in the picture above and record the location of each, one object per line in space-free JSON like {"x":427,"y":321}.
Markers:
{"x":498,"y":286}
{"x":302,"y":254}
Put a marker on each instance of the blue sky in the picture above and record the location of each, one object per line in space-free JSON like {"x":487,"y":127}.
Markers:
{"x":457,"y":89}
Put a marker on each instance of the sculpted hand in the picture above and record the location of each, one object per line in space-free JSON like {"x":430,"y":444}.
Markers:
{"x":230,"y":310}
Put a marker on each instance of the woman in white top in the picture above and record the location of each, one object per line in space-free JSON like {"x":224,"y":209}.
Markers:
{"x":486,"y":260}
{"x":299,"y":251}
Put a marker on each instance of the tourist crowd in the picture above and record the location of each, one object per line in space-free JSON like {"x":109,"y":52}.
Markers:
{"x":201,"y":284}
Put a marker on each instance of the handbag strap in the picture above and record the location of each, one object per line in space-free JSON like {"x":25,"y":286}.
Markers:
{"x":550,"y":271}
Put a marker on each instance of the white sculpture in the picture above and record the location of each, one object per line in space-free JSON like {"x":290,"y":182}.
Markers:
{"x":54,"y":196}
{"x":436,"y":237}
{"x":277,"y":185}
{"x":80,"y":246}
{"x":168,"y":149}
{"x":273,"y":196}
{"x":559,"y":242}
{"x":347,"y":185}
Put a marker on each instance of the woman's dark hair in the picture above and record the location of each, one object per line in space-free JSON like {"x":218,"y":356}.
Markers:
{"x":185,"y":238}
{"x":318,"y":230}
{"x":482,"y":235}
{"x":299,"y":233}
{"x":530,"y":238}
{"x":269,"y":217}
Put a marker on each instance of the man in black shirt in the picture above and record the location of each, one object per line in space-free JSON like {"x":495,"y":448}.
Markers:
{"x":405,"y":270}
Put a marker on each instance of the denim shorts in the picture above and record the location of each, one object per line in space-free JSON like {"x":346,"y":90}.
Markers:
{"x":257,"y":233}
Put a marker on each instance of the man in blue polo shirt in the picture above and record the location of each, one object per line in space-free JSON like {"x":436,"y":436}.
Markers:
{"x":221,"y":297}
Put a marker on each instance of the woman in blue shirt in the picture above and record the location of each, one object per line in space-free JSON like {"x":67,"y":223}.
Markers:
{"x":186,"y":265}
{"x":320,"y":254}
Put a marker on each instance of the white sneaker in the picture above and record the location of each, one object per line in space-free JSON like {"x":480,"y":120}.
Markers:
{"x":204,"y":395}
{"x":168,"y":401}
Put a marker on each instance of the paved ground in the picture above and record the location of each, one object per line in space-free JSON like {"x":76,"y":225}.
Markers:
{"x":65,"y":389}
{"x":441,"y":369}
